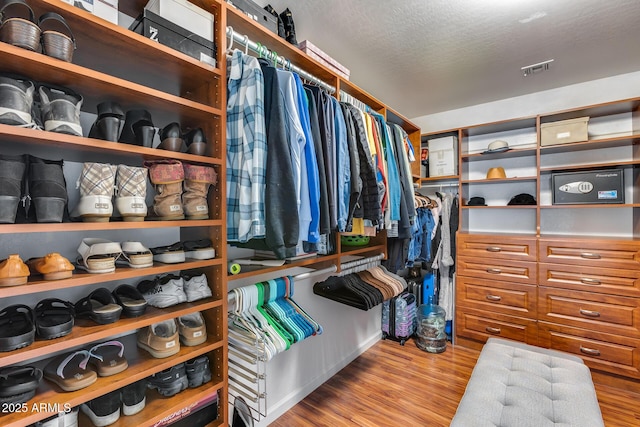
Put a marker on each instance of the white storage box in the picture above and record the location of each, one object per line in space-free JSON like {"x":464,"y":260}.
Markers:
{"x":86,"y":5}
{"x":106,"y":9}
{"x":184,"y":14}
{"x":564,"y":132}
{"x":442,"y":156}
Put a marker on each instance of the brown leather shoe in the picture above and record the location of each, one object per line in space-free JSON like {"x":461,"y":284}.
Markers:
{"x":13,"y":271}
{"x":52,"y":266}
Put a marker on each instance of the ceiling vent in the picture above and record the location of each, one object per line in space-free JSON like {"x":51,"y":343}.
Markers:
{"x":536,"y":68}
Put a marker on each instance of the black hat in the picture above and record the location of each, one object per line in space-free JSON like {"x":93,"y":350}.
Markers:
{"x":522,"y":199}
{"x":476,"y":201}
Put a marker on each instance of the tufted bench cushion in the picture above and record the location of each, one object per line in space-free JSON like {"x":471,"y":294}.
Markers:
{"x":519,"y":385}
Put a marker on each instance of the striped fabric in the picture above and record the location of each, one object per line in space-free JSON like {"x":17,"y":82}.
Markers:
{"x":97,"y":179}
{"x":246,"y":149}
{"x":131,"y":181}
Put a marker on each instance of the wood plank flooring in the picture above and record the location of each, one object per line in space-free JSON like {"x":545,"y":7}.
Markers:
{"x":391,"y":385}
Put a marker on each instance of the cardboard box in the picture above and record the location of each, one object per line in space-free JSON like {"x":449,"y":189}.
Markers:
{"x":564,"y":132}
{"x":313,"y":51}
{"x":169,"y":34}
{"x":106,"y":9}
{"x":184,"y":14}
{"x":588,"y":187}
{"x":443,"y":160}
{"x":257,"y":13}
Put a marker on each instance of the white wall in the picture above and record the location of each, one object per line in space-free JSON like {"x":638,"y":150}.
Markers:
{"x":593,"y":92}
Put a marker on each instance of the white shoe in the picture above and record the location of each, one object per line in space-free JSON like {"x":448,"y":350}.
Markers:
{"x":163,"y":292}
{"x":196,"y":287}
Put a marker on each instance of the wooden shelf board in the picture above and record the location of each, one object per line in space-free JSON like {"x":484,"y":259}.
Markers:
{"x":501,"y":207}
{"x":353,"y":250}
{"x":500,"y":126}
{"x":516,"y":152}
{"x":593,"y":144}
{"x":590,"y":166}
{"x":605,"y":109}
{"x":500,"y":181}
{"x":96,"y":226}
{"x":141,"y":365}
{"x":440,"y":178}
{"x":81,"y":278}
{"x":593,"y":206}
{"x":86,"y":331}
{"x":250,"y":271}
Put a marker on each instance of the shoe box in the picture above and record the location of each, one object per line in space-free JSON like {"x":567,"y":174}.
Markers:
{"x":585,"y":187}
{"x":168,"y":33}
{"x":199,"y":413}
{"x":255,"y":12}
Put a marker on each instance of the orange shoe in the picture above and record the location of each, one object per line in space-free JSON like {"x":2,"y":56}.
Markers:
{"x":13,"y":271}
{"x":52,"y":266}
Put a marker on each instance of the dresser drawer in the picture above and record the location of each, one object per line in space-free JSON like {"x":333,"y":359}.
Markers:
{"x":498,"y":297}
{"x":610,"y":353}
{"x":498,"y":269}
{"x":594,"y":279}
{"x":590,"y":310}
{"x":615,"y":254}
{"x":480,"y":325}
{"x":492,"y":246}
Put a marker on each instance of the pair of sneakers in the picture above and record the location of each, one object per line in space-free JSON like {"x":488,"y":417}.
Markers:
{"x":163,"y":339}
{"x":193,"y":373}
{"x":166,"y":291}
{"x":105,"y":410}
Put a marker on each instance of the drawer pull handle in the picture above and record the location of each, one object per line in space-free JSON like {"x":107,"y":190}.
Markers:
{"x":494,"y":270}
{"x":588,"y":281}
{"x":492,"y":330}
{"x":589,"y":313}
{"x":590,"y":351}
{"x":494,"y":248}
{"x":494,"y":297}
{"x":589,"y":255}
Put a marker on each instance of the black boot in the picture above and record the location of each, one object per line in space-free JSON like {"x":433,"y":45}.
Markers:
{"x":11,"y":182}
{"x":289,"y":26}
{"x":108,"y":123}
{"x":47,"y":191}
{"x":138,"y":128}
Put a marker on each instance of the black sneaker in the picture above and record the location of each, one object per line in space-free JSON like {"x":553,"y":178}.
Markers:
{"x":103,"y":410}
{"x":170,"y":381}
{"x":198,"y":371}
{"x":133,"y":397}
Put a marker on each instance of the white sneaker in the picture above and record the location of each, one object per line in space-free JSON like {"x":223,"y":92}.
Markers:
{"x":196,"y":287}
{"x":164,"y":291}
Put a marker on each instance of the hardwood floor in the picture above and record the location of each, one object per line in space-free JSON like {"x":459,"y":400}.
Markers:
{"x":391,"y":385}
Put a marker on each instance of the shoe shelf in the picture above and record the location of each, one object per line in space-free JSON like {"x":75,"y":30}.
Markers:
{"x":499,"y":181}
{"x":82,"y":149}
{"x":81,"y":278}
{"x":96,"y":226}
{"x":141,"y":365}
{"x":155,"y":65}
{"x":86,"y":331}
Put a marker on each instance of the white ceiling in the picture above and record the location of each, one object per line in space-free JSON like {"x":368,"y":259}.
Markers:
{"x":426,"y":56}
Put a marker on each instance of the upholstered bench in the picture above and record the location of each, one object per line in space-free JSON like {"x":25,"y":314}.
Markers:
{"x":519,"y":385}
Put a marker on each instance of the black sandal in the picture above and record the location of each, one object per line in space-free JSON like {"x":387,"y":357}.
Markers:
{"x":99,"y":306}
{"x":19,"y":383}
{"x":131,"y":300}
{"x":17,"y":328}
{"x":54,"y":318}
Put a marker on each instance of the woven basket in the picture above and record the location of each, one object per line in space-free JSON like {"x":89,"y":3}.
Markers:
{"x":21,"y":32}
{"x":57,"y":45}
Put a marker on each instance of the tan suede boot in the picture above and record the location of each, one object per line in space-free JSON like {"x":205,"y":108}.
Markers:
{"x":197,"y":180}
{"x":167,"y":177}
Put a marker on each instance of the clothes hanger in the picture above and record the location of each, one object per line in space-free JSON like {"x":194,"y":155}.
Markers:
{"x":231,"y":40}
{"x":246,"y":44}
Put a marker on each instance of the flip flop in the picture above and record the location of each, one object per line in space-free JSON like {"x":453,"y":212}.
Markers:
{"x":98,"y":255}
{"x":54,"y":318}
{"x":131,"y":300}
{"x":19,"y":383}
{"x":108,"y":358}
{"x":17,"y":328}
{"x":99,"y":306}
{"x":69,"y":371}
{"x":135,"y":255}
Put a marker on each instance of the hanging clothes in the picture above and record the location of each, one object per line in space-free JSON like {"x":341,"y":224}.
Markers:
{"x":343,"y":168}
{"x":246,"y":149}
{"x":354,"y":166}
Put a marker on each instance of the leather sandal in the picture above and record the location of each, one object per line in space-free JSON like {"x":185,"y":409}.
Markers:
{"x":19,"y":383}
{"x":17,"y":328}
{"x":135,"y":255}
{"x":131,"y":300}
{"x":98,"y":255}
{"x":108,"y":358}
{"x":54,"y":318}
{"x":69,"y":371}
{"x":52,"y":266}
{"x":99,"y":306}
{"x":13,"y":271}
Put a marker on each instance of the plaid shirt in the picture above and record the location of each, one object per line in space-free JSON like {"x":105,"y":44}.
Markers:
{"x":246,"y":149}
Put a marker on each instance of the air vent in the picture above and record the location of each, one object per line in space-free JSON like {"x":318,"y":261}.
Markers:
{"x":536,"y":68}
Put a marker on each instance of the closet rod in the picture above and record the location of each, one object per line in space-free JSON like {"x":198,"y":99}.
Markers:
{"x":362,"y":261}
{"x":259,"y":49}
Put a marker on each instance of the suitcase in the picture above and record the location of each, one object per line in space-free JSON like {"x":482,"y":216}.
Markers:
{"x":414,"y":286}
{"x":399,"y":317}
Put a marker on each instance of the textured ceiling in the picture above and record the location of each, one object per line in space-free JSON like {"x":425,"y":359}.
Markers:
{"x":428,"y":56}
